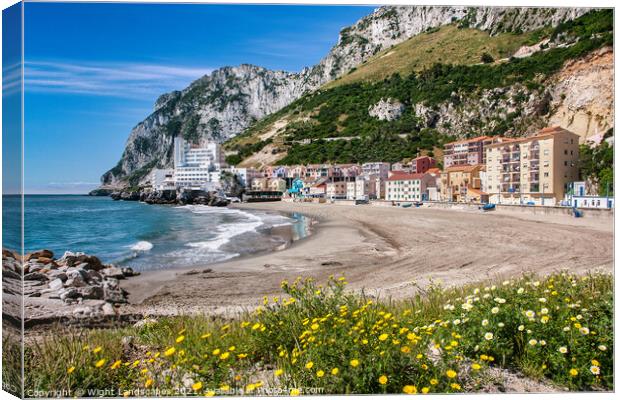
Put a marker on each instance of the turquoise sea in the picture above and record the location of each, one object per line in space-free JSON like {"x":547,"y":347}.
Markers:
{"x":144,"y":236}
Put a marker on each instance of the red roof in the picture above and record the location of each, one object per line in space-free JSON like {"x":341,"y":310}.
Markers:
{"x":404,"y":176}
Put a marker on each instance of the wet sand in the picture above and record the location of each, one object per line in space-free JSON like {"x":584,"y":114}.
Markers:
{"x":387,"y":251}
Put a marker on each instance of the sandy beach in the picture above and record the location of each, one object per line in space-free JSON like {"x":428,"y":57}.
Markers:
{"x":387,"y":251}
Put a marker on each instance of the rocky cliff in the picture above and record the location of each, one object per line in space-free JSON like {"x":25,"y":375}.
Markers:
{"x":224,"y":103}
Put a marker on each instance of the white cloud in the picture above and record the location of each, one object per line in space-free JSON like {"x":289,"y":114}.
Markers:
{"x":127,"y":80}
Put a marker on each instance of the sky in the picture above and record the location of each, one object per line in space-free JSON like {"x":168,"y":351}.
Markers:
{"x":93,"y":71}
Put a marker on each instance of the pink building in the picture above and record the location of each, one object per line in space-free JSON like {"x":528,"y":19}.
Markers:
{"x":467,"y":151}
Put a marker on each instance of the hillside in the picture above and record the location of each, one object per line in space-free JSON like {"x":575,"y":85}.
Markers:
{"x":446,"y":45}
{"x":395,"y":108}
{"x":225,"y":103}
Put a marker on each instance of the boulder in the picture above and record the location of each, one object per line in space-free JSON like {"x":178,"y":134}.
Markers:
{"x":56,"y":284}
{"x":91,"y":292}
{"x":68,"y":293}
{"x":8,"y":254}
{"x":35,"y":276}
{"x":108,"y":309}
{"x":40,"y":253}
{"x":129,"y":272}
{"x":56,"y":274}
{"x":113,"y":272}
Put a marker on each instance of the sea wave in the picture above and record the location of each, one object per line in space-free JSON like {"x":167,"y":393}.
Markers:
{"x":225,"y":232}
{"x":142,"y":245}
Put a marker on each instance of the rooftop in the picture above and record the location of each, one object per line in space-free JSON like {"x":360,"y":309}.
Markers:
{"x":404,"y":176}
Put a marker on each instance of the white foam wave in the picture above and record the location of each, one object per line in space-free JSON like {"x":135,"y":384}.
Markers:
{"x":142,"y":245}
{"x":225,"y":232}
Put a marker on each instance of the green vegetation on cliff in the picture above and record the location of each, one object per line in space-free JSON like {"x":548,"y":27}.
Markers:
{"x":333,"y":124}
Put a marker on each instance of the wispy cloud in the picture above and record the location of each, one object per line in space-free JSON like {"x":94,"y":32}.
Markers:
{"x":127,"y":80}
{"x":11,"y":79}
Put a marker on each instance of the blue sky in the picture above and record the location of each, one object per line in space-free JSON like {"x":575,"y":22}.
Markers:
{"x":93,"y":71}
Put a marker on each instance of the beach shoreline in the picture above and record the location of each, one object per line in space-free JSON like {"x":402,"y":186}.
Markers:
{"x":386,"y":251}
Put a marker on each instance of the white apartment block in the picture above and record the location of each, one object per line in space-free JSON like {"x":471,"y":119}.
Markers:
{"x":401,"y":186}
{"x":197,"y":166}
{"x":163,"y":179}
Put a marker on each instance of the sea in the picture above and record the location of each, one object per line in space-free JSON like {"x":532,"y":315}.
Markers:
{"x":146,"y":237}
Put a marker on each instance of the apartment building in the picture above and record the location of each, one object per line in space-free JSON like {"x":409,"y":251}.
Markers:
{"x":380,"y":169}
{"x":420,"y":165}
{"x":532,"y":170}
{"x":467,"y":151}
{"x":458,"y":181}
{"x":245,"y":175}
{"x":197,"y":165}
{"x":162,"y":179}
{"x":402,"y":186}
{"x":336,"y":190}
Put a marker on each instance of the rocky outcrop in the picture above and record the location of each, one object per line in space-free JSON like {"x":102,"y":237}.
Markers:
{"x":581,"y":96}
{"x":182,"y":196}
{"x":386,"y":110}
{"x":221,"y":105}
{"x":577,"y":98}
{"x":69,"y":280}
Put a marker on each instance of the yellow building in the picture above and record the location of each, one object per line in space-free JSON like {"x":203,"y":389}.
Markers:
{"x":532,"y":170}
{"x":457,"y":182}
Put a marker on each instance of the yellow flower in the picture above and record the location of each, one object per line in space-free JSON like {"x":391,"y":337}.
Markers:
{"x":309,"y":365}
{"x":170,"y":351}
{"x":405,"y":349}
{"x":455,"y":386}
{"x":354,"y":363}
{"x":70,"y":370}
{"x":97,"y":349}
{"x":225,"y":388}
{"x":224,"y":356}
{"x":320,"y":373}
{"x":314,"y":327}
{"x":451,"y":373}
{"x":573,"y":372}
{"x":242,"y":355}
{"x":410,"y":389}
{"x":100,"y":363}
{"x":180,"y":339}
{"x":148,"y":383}
{"x":596,"y":363}
{"x":335,"y":371}
{"x":383,"y":380}
{"x":216,"y":352}
{"x":434,"y":381}
{"x":595,"y":370}
{"x":206,"y":335}
{"x":197,"y":386}
{"x":475,"y":366}
{"x":383,"y":337}
{"x":425,"y":390}
{"x":250,"y":387}
{"x":116,"y":364}
{"x":294,"y":392}
{"x":210,"y":393}
{"x":533,"y":342}
{"x":278,"y":372}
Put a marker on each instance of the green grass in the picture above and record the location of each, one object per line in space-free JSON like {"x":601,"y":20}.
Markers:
{"x":322,"y":336}
{"x":446,"y":45}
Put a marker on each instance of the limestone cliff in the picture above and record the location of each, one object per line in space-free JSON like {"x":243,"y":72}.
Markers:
{"x":224,"y":103}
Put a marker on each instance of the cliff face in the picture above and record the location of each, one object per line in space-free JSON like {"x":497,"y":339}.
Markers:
{"x":224,"y":103}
